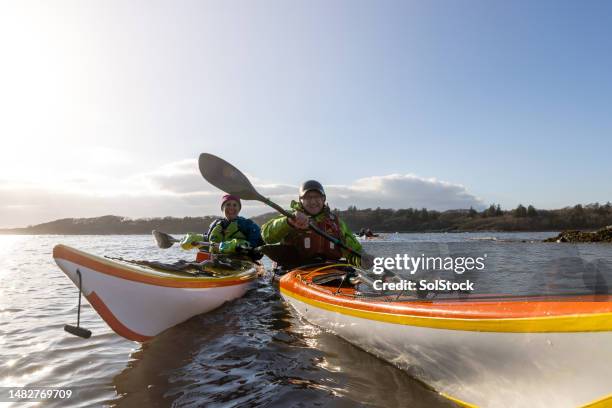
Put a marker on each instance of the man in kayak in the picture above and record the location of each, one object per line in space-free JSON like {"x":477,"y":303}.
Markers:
{"x":311,"y":246}
{"x":233,"y":233}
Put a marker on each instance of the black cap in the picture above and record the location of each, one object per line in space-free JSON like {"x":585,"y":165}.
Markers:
{"x":311,"y":185}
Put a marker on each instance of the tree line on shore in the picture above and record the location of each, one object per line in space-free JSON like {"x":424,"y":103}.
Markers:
{"x":493,"y":218}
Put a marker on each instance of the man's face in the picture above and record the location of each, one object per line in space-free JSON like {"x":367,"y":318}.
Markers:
{"x":313,"y":202}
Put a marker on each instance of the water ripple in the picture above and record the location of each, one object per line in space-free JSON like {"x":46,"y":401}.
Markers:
{"x":251,"y":352}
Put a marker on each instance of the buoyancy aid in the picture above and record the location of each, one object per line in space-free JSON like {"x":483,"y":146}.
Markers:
{"x":240,"y":228}
{"x":310,"y":245}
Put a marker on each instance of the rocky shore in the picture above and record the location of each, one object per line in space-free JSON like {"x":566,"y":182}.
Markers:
{"x":602,"y":235}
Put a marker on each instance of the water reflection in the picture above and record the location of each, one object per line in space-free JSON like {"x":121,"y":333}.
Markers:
{"x":595,"y":276}
{"x":255,"y":352}
{"x":576,"y":275}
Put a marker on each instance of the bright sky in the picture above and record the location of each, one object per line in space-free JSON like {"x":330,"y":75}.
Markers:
{"x":105,"y":105}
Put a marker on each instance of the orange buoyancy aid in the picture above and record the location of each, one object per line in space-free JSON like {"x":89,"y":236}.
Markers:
{"x":311,"y":245}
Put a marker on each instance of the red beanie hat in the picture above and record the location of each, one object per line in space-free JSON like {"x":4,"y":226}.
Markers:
{"x":230,"y":197}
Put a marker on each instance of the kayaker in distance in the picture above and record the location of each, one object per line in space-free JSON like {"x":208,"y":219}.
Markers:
{"x":367,"y":233}
{"x":233,"y":233}
{"x":310,"y":246}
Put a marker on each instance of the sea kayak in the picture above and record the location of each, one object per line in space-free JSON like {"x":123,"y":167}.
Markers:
{"x":504,"y":352}
{"x":138,"y":301}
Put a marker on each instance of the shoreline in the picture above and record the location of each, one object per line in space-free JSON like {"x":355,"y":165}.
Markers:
{"x":378,"y":232}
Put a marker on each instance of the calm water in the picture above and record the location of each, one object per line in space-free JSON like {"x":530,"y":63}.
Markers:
{"x":254,"y":351}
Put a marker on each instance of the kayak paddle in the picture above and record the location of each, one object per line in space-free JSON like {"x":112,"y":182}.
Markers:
{"x":165,"y":241}
{"x":228,"y":178}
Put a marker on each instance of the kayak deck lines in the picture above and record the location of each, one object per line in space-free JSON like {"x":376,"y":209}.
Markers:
{"x":147,"y":275}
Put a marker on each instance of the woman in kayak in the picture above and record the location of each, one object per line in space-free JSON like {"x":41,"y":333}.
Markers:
{"x":232,"y":233}
{"x":295,"y":232}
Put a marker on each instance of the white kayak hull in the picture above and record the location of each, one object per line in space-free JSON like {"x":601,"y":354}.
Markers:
{"x":138,"y":304}
{"x":488,"y":368}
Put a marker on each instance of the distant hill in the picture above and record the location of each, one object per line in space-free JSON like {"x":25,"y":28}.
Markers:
{"x":112,"y":224}
{"x":591,"y":216}
{"x":263,"y":218}
{"x":116,"y":225}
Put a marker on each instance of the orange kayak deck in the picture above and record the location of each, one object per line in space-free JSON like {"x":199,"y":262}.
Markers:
{"x":538,"y":313}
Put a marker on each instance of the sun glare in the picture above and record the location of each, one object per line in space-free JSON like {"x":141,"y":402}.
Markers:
{"x":38,"y":79}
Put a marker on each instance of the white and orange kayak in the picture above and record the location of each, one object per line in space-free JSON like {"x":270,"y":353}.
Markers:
{"x":139,"y":302}
{"x":504,"y":352}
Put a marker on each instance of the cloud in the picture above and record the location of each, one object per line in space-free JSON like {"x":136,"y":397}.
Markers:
{"x":402,"y":191}
{"x":177,"y":189}
{"x":181,"y":177}
{"x":21,"y":207}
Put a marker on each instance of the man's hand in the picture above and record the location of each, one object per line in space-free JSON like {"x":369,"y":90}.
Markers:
{"x":300,"y":221}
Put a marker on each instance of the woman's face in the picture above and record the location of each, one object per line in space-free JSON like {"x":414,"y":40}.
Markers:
{"x":313,"y":202}
{"x":231,"y":209}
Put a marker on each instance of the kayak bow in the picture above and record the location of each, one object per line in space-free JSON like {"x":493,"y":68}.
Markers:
{"x":138,"y":302}
{"x":529,"y":351}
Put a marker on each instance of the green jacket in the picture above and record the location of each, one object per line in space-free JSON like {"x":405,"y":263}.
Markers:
{"x":275,"y":230}
{"x":232,"y":238}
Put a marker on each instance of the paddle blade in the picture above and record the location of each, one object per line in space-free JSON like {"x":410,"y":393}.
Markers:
{"x":226,"y":177}
{"x":163,"y":240}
